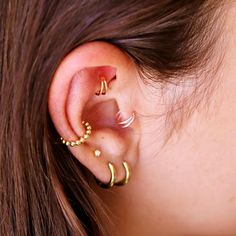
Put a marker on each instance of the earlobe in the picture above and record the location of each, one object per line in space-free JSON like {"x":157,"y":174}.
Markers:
{"x":84,"y":98}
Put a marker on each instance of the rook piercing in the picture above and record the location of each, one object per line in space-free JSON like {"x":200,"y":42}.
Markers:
{"x":103,"y":88}
{"x":112,"y":179}
{"x":127,"y":175}
{"x":125,"y":123}
{"x":82,"y":139}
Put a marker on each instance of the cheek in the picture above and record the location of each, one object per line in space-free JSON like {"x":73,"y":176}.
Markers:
{"x":197,"y":189}
{"x":197,"y":174}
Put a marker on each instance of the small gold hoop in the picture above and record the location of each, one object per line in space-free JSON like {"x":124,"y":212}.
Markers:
{"x":112,"y":179}
{"x":103,"y":87}
{"x":82,"y":139}
{"x":127,"y":175}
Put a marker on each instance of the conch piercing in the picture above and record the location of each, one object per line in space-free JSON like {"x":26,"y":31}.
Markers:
{"x":125,"y":123}
{"x":103,"y":87}
{"x":127,"y":175}
{"x":112,"y":179}
{"x":82,"y":139}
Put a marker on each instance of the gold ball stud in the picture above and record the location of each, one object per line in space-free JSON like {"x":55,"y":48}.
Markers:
{"x":97,"y":153}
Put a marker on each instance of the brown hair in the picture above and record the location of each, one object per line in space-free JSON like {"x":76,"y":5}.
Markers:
{"x":43,"y":189}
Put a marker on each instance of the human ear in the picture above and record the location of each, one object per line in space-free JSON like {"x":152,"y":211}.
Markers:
{"x":96,"y":83}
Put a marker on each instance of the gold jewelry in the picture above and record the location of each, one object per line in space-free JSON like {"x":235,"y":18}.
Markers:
{"x":103,"y":88}
{"x":82,"y":139}
{"x":127,"y":175}
{"x":112,"y":179}
{"x":97,"y":153}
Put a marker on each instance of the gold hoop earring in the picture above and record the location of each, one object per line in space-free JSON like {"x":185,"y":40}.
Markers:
{"x":127,"y":175}
{"x":103,"y":88}
{"x":82,"y":139}
{"x":112,"y":179}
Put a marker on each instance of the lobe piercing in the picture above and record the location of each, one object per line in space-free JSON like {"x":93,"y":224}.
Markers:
{"x":112,"y":178}
{"x":127,"y":175}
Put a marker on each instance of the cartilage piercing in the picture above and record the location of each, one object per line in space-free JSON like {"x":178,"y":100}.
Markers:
{"x":103,"y":87}
{"x":125,"y":123}
{"x":82,"y":139}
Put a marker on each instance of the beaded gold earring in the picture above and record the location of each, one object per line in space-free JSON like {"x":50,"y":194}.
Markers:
{"x":82,"y":139}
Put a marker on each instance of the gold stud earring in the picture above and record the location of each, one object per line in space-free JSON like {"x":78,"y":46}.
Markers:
{"x":103,"y":87}
{"x":127,"y":175}
{"x":82,"y":139}
{"x":112,"y":179}
{"x":97,"y":153}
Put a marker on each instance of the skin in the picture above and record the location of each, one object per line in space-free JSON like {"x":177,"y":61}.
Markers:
{"x":185,"y":187}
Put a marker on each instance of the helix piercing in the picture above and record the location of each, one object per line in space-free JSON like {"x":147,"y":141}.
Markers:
{"x":103,"y":87}
{"x":112,"y":179}
{"x":125,"y":123}
{"x":82,"y":139}
{"x":127,"y":175}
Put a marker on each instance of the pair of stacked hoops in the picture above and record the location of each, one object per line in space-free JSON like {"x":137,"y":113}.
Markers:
{"x":97,"y":153}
